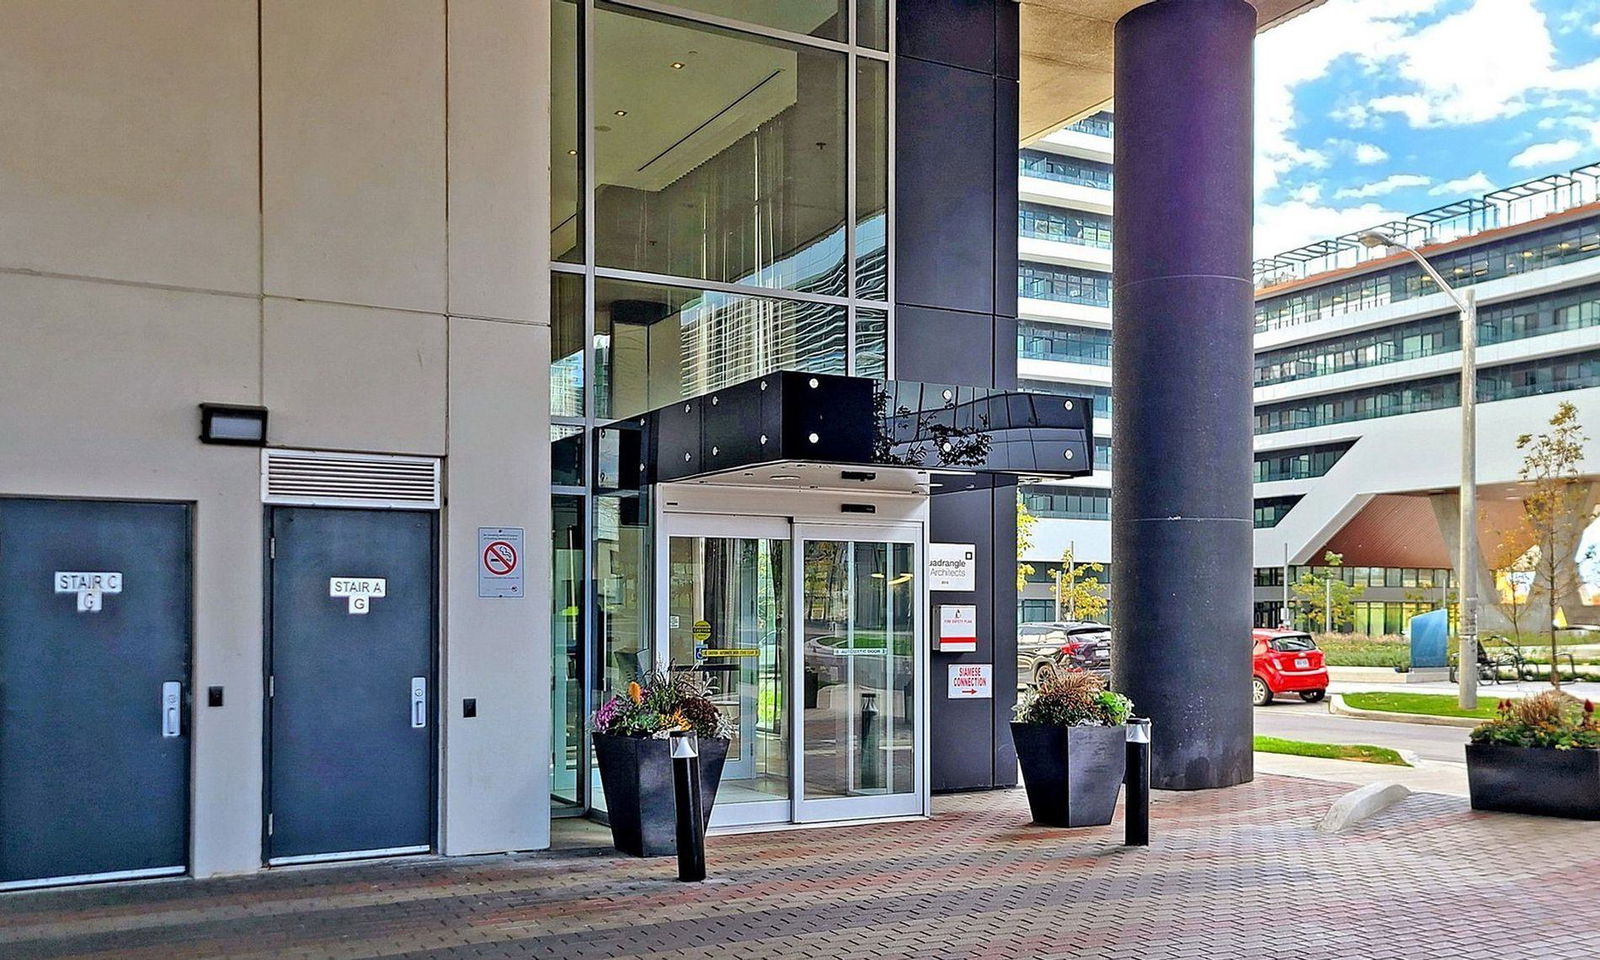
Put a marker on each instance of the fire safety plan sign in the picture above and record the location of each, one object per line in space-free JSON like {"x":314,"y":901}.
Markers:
{"x":499,"y":562}
{"x":971,"y":681}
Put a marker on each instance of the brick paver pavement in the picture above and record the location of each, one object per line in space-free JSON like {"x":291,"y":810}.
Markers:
{"x":1232,"y":873}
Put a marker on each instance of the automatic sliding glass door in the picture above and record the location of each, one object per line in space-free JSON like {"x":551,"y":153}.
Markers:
{"x":859,"y":608}
{"x":726,"y":615}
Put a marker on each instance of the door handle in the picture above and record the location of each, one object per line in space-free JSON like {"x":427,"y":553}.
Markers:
{"x":419,"y":702}
{"x":171,"y":709}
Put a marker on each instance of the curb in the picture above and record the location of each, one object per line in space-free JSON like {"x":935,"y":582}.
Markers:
{"x":1336,"y":705}
{"x":1358,"y":805}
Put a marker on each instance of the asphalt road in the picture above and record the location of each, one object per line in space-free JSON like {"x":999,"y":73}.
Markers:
{"x":1313,"y":722}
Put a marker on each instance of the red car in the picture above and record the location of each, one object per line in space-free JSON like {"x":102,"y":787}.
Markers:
{"x":1287,"y":661}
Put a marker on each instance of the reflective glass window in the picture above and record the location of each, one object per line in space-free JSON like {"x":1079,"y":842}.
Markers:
{"x":718,"y":155}
{"x":655,"y":344}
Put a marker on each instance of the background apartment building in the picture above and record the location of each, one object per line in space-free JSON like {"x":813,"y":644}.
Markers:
{"x":1357,"y":392}
{"x":1356,"y":378}
{"x":1064,"y":335}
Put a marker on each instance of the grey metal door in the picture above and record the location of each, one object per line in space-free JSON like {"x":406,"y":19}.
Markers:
{"x":350,"y":683}
{"x":94,"y":674}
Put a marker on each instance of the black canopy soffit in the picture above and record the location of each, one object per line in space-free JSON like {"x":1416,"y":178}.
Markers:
{"x":825,"y":418}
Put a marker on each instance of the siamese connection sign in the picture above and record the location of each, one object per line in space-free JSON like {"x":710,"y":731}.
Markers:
{"x":91,"y":588}
{"x":358,"y":591}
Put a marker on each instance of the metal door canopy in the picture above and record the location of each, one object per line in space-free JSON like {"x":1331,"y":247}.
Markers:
{"x":790,"y":417}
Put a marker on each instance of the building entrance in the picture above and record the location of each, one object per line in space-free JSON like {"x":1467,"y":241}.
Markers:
{"x":808,"y":637}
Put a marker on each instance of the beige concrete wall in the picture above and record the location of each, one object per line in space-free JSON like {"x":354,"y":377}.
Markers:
{"x":194,"y":210}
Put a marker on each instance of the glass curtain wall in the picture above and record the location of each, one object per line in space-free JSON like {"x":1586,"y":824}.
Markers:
{"x":720,"y":183}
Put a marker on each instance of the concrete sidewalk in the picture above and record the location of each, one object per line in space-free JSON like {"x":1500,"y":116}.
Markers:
{"x":1230,"y":874}
{"x":1424,"y":776}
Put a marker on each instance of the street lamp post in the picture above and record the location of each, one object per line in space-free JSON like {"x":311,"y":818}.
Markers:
{"x":1467,"y":557}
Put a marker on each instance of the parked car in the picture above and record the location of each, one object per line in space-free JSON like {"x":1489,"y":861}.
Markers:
{"x":1045,"y":649}
{"x":1287,"y":661}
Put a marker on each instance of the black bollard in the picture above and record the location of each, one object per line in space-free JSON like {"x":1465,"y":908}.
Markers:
{"x":691,"y":822}
{"x":1136,"y":814}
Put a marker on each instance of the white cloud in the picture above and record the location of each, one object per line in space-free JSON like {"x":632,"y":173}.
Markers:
{"x":1384,"y":187}
{"x":1489,"y":61}
{"x":1545,"y":154}
{"x":1284,"y":226}
{"x":1302,"y":50}
{"x":1368,"y":154}
{"x":1464,"y":186}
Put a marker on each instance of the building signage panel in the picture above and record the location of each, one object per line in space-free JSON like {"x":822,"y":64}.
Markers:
{"x":499,"y":562}
{"x":971,"y":681}
{"x":952,"y":566}
{"x":91,"y":588}
{"x":957,"y":628}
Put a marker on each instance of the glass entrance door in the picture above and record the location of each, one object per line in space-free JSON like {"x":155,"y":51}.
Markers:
{"x":808,"y":637}
{"x":860,"y":612}
{"x":727,"y":599}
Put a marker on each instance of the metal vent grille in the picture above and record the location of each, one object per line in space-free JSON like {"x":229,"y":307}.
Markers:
{"x":349,"y":480}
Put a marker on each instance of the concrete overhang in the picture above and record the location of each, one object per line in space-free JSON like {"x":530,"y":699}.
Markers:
{"x":1066,"y":55}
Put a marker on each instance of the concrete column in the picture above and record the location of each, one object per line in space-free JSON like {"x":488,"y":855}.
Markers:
{"x":1181,"y":375}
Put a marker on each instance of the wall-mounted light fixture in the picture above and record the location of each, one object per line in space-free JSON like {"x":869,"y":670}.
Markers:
{"x":233,"y":424}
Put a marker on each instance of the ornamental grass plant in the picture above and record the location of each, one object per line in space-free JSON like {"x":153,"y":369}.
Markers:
{"x":1073,"y":698}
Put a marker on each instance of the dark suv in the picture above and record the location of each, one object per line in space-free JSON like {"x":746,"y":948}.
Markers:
{"x":1045,"y":649}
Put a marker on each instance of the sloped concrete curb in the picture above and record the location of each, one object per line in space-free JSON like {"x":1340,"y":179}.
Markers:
{"x":1359,"y":804}
{"x":1337,"y":705}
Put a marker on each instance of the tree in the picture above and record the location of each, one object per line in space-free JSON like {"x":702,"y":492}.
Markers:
{"x":1555,"y":507}
{"x":1512,"y":563}
{"x":1076,"y":590}
{"x":1328,"y":592}
{"x":1025,"y":522}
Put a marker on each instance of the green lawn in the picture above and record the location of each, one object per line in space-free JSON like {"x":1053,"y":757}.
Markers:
{"x":1359,"y":752}
{"x":1435,"y":704}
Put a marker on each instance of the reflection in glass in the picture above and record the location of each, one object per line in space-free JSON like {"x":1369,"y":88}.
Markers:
{"x":733,"y":593}
{"x":872,"y":24}
{"x":859,"y":604}
{"x":811,"y":18}
{"x":566,"y":143}
{"x":872,"y":179}
{"x":718,"y":155}
{"x":622,"y":600}
{"x":566,"y":634}
{"x":566,"y":345}
{"x":656,"y":344}
{"x":872,"y":343}
{"x":566,"y":455}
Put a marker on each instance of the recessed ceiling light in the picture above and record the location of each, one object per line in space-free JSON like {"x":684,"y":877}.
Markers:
{"x":572,"y":153}
{"x":783,"y":476}
{"x":620,"y":113}
{"x":677,"y":64}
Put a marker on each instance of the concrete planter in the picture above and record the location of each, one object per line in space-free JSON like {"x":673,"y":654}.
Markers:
{"x":637,"y":776}
{"x":1072,"y":774}
{"x":1536,"y":780}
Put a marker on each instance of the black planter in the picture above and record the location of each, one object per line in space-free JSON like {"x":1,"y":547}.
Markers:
{"x":1537,"y":780}
{"x":1072,"y":774}
{"x":637,"y":776}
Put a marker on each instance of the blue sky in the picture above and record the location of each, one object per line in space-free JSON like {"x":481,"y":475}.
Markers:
{"x":1370,"y":109}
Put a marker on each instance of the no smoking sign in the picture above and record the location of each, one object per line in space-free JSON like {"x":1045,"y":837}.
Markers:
{"x":500,"y":562}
